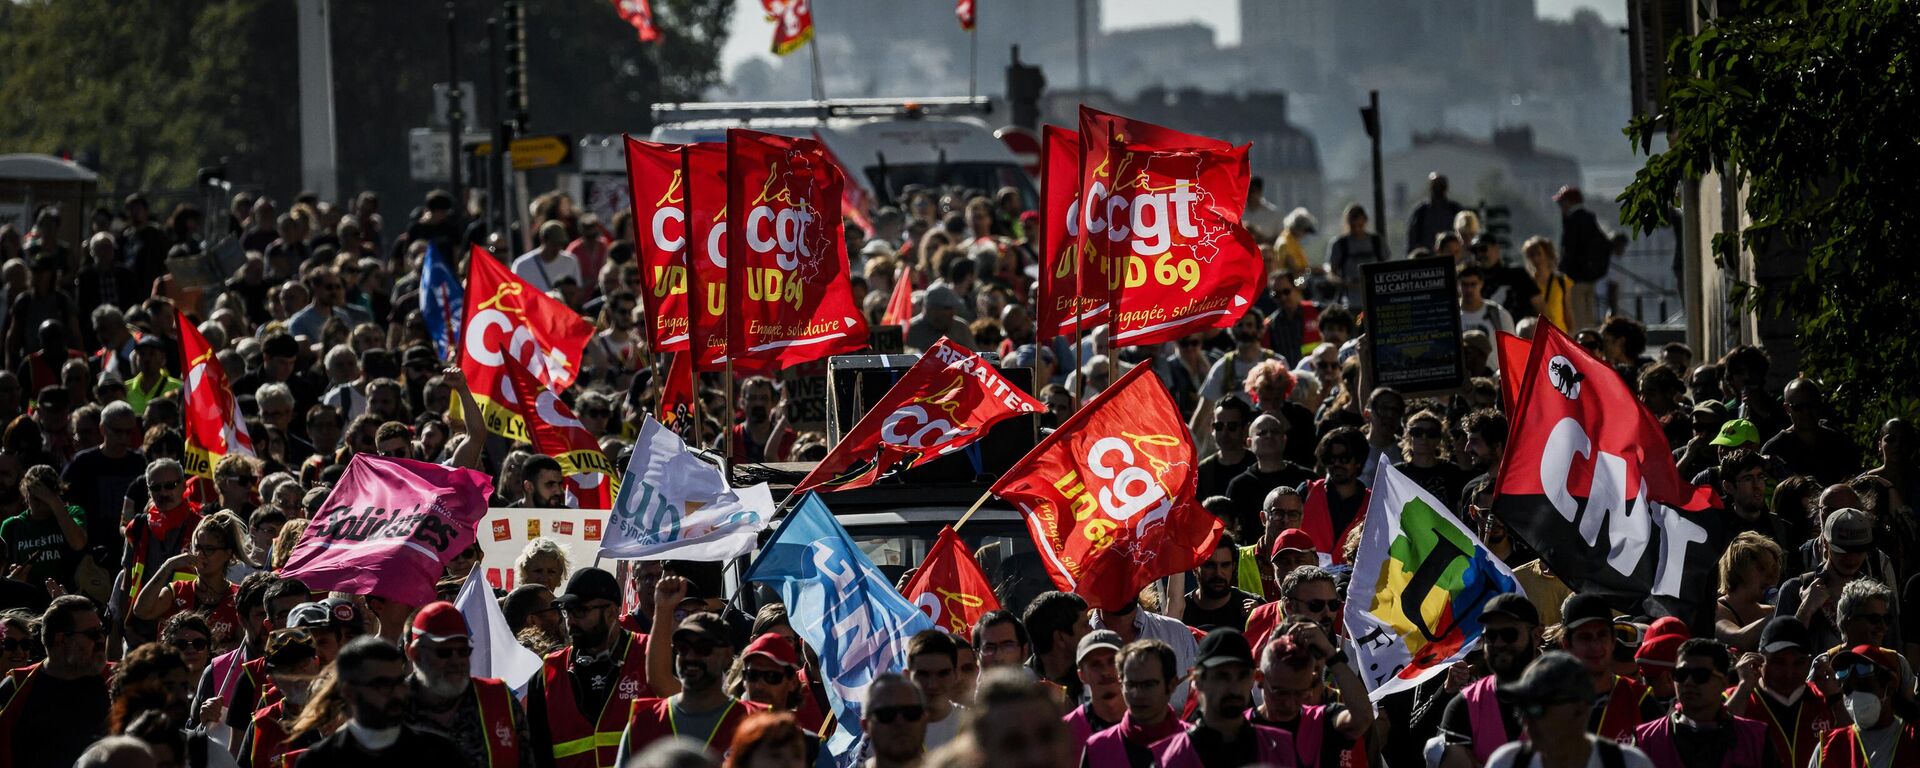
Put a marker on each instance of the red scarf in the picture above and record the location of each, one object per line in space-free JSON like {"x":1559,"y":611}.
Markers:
{"x":162,"y":522}
{"x":1145,"y":735}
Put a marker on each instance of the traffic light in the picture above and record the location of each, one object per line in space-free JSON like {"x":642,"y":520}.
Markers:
{"x":1025,"y":84}
{"x":515,"y":29}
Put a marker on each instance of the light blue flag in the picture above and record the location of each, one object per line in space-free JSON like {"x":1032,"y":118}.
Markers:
{"x":442,"y":301}
{"x":842,"y":606}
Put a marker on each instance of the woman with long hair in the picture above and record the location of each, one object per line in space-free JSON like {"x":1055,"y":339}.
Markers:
{"x":1543,"y":263}
{"x":218,"y":540}
{"x":1749,"y":569}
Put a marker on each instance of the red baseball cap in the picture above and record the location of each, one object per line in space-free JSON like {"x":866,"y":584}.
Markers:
{"x":1868,"y":654}
{"x":440,"y":622}
{"x":1661,"y":643}
{"x":1291,"y":538}
{"x":775,"y":648}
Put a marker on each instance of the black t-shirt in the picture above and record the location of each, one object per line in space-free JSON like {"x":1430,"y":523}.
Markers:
{"x":1332,"y":741}
{"x":1215,"y":474}
{"x":1249,"y":491}
{"x":1215,"y":750}
{"x":1444,"y":479}
{"x":64,"y":716}
{"x":593,"y":681}
{"x":1232,"y":614}
{"x":97,"y":483}
{"x":1342,"y":511}
{"x":412,"y":750}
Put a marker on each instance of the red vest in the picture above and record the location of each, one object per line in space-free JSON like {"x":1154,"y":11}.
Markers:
{"x":1318,"y":522}
{"x":1842,"y":748}
{"x":268,"y":738}
{"x":1483,"y":711}
{"x":224,"y":619}
{"x":23,"y":679}
{"x":1176,"y":751}
{"x":1622,"y":713}
{"x":1798,"y":739}
{"x":577,"y":741}
{"x":1656,"y":739}
{"x":495,"y":703}
{"x":652,"y":720}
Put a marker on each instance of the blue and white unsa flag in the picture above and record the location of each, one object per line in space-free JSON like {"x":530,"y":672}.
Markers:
{"x":674,"y":506}
{"x":842,"y":606}
{"x":442,"y":301}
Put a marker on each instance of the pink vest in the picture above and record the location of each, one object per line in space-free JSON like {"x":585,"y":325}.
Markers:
{"x":1109,"y":747}
{"x":1307,"y":735}
{"x":1078,"y":724}
{"x":1176,"y":751}
{"x":1483,"y":710}
{"x":1655,"y":738}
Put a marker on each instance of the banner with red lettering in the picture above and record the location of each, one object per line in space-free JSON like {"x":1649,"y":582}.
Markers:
{"x":1588,"y":482}
{"x":964,"y":11}
{"x":389,"y":528}
{"x":945,"y":402}
{"x":705,"y":171}
{"x":1109,"y":496}
{"x":211,"y":416}
{"x":949,"y":587}
{"x":791,"y":301}
{"x":510,"y":324}
{"x":1174,"y":220}
{"x":792,"y":23}
{"x":1063,"y":309}
{"x":654,"y":175}
{"x":639,"y":13}
{"x":591,"y":479}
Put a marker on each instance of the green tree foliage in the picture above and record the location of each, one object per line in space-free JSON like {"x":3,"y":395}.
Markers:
{"x":1812,"y":104}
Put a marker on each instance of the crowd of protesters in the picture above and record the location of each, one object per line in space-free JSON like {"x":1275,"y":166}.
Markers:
{"x":129,"y":582}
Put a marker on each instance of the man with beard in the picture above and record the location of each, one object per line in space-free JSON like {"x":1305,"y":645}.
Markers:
{"x":1476,"y":722}
{"x":1096,"y":662}
{"x":762,"y":437}
{"x":478,"y":713}
{"x":579,"y":702}
{"x":1619,"y":703}
{"x":1289,"y":677}
{"x":543,"y":485}
{"x":701,"y":710}
{"x":1307,"y":593}
{"x":1223,"y":683}
{"x":1700,"y":732}
{"x":1216,"y":602}
{"x":373,"y":682}
{"x":291,"y":663}
{"x":1337,"y":502}
{"x":1486,"y":445}
{"x":61,"y":701}
{"x":1797,"y":713}
{"x":1148,"y":676}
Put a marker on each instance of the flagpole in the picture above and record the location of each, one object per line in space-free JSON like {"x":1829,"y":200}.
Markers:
{"x":973,"y":61}
{"x":819,"y":83}
{"x":726,"y":425}
{"x":693,"y":386}
{"x":975,"y":508}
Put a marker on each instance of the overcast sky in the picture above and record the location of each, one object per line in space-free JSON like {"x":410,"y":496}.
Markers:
{"x":751,"y":31}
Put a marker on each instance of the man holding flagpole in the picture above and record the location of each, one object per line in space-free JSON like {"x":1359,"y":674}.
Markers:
{"x":478,"y":713}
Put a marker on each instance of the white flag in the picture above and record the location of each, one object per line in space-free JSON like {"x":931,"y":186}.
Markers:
{"x":673,"y":505}
{"x":495,"y":653}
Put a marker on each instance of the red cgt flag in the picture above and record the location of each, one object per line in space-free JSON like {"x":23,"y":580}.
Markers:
{"x":509,"y":324}
{"x":1108,"y":496}
{"x":211,"y":417}
{"x":947,"y":400}
{"x":1060,"y":298}
{"x":1174,"y":220}
{"x":704,"y":167}
{"x":639,"y":13}
{"x":950,"y":588}
{"x":654,"y":175}
{"x":964,"y":11}
{"x":792,"y":23}
{"x":790,"y":299}
{"x":591,"y":478}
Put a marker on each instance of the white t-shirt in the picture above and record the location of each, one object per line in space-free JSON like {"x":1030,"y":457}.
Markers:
{"x":542,"y":274}
{"x":1630,"y":757}
{"x":943,"y":731}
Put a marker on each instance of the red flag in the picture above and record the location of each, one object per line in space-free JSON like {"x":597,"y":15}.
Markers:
{"x":1588,"y":481}
{"x":1108,"y":496}
{"x":654,"y":174}
{"x":1174,"y":220}
{"x":1513,"y":353}
{"x":676,"y":406}
{"x":950,"y":588}
{"x":855,"y":203}
{"x":211,"y":416}
{"x":591,"y":478}
{"x":705,"y":171}
{"x":790,"y":299}
{"x":900,"y":303}
{"x":509,"y":324}
{"x":639,"y":13}
{"x":947,"y":400}
{"x":1059,"y":286}
{"x":792,"y":23}
{"x":964,"y":11}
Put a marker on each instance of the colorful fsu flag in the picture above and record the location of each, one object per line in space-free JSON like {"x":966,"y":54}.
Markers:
{"x":214,"y":426}
{"x":945,"y":402}
{"x":1098,"y":273}
{"x":1174,"y":219}
{"x":842,"y":606}
{"x":590,"y":476}
{"x":791,"y":301}
{"x":654,"y":174}
{"x":510,"y":324}
{"x":964,"y":11}
{"x":389,"y":528}
{"x":1588,"y":482}
{"x":1108,"y":496}
{"x":1420,"y":579}
{"x":950,"y":588}
{"x":792,"y":23}
{"x":705,"y":172}
{"x":900,"y":303}
{"x":441,"y":299}
{"x":639,"y":13}
{"x":1063,"y":309}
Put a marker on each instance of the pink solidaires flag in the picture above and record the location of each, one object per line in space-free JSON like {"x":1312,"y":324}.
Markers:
{"x":389,"y":528}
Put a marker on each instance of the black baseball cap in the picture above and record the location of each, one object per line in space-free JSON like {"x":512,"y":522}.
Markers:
{"x":1784,"y":633}
{"x":1224,"y":646}
{"x":704,"y":626}
{"x":1579,"y":609}
{"x":1512,"y":605}
{"x":1554,"y":678}
{"x":590,"y":584}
